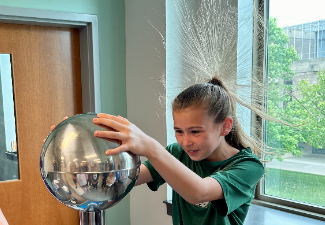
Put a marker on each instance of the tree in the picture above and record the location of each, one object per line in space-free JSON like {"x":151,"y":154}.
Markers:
{"x":309,"y":109}
{"x":313,"y":98}
{"x":280,"y":60}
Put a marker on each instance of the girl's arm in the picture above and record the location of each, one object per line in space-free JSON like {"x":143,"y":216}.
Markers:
{"x":144,"y":176}
{"x":185,"y":182}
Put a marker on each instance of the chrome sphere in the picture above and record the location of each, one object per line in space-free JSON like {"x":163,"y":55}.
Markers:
{"x":76,"y":170}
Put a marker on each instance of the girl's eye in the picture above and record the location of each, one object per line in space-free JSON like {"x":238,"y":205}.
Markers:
{"x":195,"y":132}
{"x":178,"y":131}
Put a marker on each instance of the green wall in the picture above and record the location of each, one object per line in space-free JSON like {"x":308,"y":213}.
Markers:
{"x":111,"y":22}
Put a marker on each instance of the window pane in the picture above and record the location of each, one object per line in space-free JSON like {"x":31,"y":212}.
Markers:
{"x":296,"y":68}
{"x":8,"y":141}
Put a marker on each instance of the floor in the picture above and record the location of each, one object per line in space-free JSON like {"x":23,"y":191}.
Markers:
{"x":260,"y":215}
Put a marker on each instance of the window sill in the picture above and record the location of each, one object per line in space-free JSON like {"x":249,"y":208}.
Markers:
{"x":261,"y":213}
{"x":169,"y":207}
{"x":11,"y":153}
{"x":289,"y":210}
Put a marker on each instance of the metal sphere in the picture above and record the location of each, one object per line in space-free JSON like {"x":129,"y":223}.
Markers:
{"x":76,"y":170}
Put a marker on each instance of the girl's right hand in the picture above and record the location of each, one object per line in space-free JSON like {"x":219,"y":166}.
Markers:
{"x":130,"y":136}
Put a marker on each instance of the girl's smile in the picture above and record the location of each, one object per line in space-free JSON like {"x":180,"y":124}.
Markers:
{"x":192,"y":152}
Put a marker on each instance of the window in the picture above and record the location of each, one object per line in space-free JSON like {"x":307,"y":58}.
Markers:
{"x":295,"y":63}
{"x":8,"y":140}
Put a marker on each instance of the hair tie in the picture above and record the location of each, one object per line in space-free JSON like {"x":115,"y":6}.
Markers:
{"x":215,"y":81}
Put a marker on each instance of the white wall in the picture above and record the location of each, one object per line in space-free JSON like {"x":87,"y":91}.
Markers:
{"x":145,"y":64}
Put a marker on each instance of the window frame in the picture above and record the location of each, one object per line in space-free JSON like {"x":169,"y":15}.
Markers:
{"x":286,"y":205}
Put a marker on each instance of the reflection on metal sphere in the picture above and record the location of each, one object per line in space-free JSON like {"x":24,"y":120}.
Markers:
{"x":76,"y":170}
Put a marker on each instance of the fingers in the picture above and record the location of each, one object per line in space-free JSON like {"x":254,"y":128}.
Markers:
{"x":108,"y":122}
{"x":117,"y":150}
{"x":113,"y":135}
{"x":124,"y":119}
{"x":64,"y":118}
{"x":118,"y":119}
{"x":113,"y":124}
{"x":112,"y":140}
{"x":53,"y":126}
{"x":105,"y":127}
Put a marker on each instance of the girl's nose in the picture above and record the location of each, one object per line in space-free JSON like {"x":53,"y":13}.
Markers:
{"x":187,"y":140}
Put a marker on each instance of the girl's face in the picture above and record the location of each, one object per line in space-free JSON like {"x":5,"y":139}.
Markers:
{"x":196,"y":133}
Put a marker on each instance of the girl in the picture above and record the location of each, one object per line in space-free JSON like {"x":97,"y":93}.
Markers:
{"x":3,"y":220}
{"x":211,"y":168}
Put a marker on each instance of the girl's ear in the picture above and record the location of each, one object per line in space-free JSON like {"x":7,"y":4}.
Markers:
{"x":227,"y":126}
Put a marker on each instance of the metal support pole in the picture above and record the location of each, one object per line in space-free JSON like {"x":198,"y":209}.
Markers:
{"x":92,"y":218}
{"x":302,"y":41}
{"x":317,"y":41}
{"x":294,"y":37}
{"x":309,"y":56}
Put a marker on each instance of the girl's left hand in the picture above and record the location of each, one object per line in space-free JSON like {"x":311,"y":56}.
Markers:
{"x":130,"y":136}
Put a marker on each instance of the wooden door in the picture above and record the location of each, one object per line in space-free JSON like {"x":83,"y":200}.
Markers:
{"x":47,"y":87}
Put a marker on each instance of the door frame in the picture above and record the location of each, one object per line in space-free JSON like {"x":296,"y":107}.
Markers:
{"x":89,"y":47}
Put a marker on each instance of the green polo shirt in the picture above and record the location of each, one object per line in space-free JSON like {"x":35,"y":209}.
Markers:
{"x":237,"y":176}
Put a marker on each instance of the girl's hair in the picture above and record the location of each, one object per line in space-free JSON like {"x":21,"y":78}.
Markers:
{"x":215,"y":99}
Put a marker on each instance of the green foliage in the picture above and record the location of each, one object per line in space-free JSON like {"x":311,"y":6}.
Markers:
{"x":313,"y":98}
{"x":280,"y":104}
{"x":280,"y":60}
